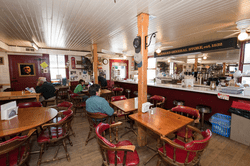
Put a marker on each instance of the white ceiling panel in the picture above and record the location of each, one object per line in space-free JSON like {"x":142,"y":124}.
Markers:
{"x":76,"y":24}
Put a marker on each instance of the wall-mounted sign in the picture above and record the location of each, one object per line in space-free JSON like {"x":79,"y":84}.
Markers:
{"x":73,"y":63}
{"x":210,"y":46}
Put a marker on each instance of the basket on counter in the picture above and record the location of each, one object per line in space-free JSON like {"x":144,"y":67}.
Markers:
{"x":221,"y":124}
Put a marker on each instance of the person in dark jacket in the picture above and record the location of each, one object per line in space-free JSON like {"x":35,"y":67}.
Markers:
{"x":47,"y":90}
{"x":103,"y":81}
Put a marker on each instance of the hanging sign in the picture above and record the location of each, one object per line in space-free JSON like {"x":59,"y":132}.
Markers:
{"x":210,"y":46}
{"x":44,"y":65}
{"x":73,"y":63}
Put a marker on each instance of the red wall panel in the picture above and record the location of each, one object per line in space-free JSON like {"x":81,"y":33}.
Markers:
{"x":20,"y":83}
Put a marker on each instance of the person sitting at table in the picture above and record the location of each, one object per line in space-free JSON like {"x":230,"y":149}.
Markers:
{"x":79,"y":88}
{"x":103,"y":81}
{"x":96,"y":103}
{"x":46,"y":89}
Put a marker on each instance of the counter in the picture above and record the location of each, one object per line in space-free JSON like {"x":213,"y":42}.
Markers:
{"x":192,"y":96}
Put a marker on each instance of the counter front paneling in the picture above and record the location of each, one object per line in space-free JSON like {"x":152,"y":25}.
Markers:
{"x":192,"y":96}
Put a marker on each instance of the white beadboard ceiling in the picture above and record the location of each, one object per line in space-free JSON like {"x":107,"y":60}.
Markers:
{"x":76,"y":24}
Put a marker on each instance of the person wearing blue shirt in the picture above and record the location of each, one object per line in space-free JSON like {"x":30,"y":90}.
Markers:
{"x":96,"y":103}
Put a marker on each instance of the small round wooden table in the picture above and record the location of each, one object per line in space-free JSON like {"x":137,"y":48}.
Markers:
{"x":27,"y":118}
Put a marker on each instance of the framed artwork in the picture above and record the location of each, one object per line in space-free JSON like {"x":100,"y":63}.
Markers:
{"x":26,"y":69}
{"x":1,"y":61}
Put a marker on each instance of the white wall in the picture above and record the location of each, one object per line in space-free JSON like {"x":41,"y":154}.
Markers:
{"x":4,"y":72}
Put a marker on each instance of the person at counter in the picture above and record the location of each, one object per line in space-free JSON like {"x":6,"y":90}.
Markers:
{"x":103,"y":81}
{"x":96,"y":103}
{"x":46,"y":89}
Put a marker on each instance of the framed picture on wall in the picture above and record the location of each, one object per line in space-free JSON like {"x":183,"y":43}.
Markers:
{"x":26,"y":69}
{"x":1,"y":61}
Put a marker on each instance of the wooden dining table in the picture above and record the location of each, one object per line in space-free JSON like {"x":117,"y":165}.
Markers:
{"x":105,"y":93}
{"x":128,"y":107}
{"x":14,"y":95}
{"x":160,"y":121}
{"x":27,"y":118}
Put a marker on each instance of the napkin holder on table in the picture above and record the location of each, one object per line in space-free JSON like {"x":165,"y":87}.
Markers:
{"x":9,"y":110}
{"x":146,"y":107}
{"x":136,"y":102}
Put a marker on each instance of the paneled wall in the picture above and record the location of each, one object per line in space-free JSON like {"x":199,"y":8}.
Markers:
{"x":21,"y":82}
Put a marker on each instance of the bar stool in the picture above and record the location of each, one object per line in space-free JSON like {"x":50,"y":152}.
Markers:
{"x":203,"y":110}
{"x":128,"y":93}
{"x":178,"y":102}
{"x":148,"y":95}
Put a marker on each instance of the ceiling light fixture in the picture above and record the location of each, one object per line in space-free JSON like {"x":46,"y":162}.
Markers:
{"x":169,"y":60}
{"x":34,"y":46}
{"x":204,"y":56}
{"x":243,"y":35}
{"x":124,"y":57}
{"x":158,"y":51}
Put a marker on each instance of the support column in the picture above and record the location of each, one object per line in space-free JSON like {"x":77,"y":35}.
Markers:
{"x":224,"y":69}
{"x":95,"y":64}
{"x":142,"y":24}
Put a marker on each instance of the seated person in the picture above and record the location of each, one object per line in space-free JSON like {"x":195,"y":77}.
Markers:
{"x":80,"y":86}
{"x":103,"y":81}
{"x":46,"y":89}
{"x":96,"y":103}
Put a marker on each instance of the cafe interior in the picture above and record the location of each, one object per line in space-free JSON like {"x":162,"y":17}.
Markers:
{"x":177,"y":73}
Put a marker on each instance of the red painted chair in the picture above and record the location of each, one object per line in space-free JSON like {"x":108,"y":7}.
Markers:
{"x":16,"y":150}
{"x":182,"y":154}
{"x":158,"y":101}
{"x":29,"y":104}
{"x":122,"y":153}
{"x":189,"y":112}
{"x":56,"y":133}
{"x":117,"y":91}
{"x":77,"y":103}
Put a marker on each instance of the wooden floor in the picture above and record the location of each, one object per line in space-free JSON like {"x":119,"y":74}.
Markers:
{"x":220,"y":152}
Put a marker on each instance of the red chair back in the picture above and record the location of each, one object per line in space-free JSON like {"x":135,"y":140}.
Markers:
{"x":118,"y":89}
{"x":101,"y":127}
{"x":70,"y":92}
{"x":187,"y":110}
{"x":74,"y":95}
{"x":198,"y":145}
{"x":158,"y":98}
{"x":29,"y":104}
{"x":65,"y":104}
{"x":118,"y":98}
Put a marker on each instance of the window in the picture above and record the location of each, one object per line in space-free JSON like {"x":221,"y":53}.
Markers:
{"x":57,"y":66}
{"x":151,"y":73}
{"x":246,"y":64}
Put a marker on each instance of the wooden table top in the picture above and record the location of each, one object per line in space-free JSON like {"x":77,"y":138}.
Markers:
{"x":27,"y":118}
{"x":17,"y":95}
{"x":126,"y":106}
{"x":106,"y":91}
{"x":162,"y":122}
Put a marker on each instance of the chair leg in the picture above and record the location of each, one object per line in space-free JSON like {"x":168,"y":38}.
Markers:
{"x":90,"y":131}
{"x":71,"y":144}
{"x":41,"y":154}
{"x":73,"y":133}
{"x":159,"y":162}
{"x":65,"y":148}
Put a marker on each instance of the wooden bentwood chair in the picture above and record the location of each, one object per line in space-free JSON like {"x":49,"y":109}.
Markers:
{"x":122,"y":153}
{"x":117,"y":112}
{"x":56,"y":134}
{"x":77,"y":103}
{"x":61,"y":95}
{"x":117,"y":91}
{"x":94,"y":119}
{"x":189,"y":112}
{"x":183,"y":154}
{"x":16,"y":150}
{"x":158,"y":101}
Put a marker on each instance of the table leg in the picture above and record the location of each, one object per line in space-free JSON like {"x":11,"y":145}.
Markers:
{"x":156,"y":153}
{"x":37,"y":98}
{"x":142,"y":135}
{"x":130,"y":129}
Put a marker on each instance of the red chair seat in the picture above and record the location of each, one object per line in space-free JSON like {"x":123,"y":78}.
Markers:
{"x":180,"y":154}
{"x":44,"y":136}
{"x":182,"y":132}
{"x":132,"y":157}
{"x":12,"y":157}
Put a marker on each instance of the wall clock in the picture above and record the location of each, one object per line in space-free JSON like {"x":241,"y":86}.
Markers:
{"x":105,"y":61}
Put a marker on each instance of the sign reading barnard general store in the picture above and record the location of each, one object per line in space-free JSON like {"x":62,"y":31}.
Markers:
{"x":210,"y":46}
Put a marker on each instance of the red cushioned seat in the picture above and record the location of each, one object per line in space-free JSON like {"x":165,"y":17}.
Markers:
{"x":132,"y":157}
{"x":29,"y":104}
{"x":180,"y":154}
{"x":13,"y":155}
